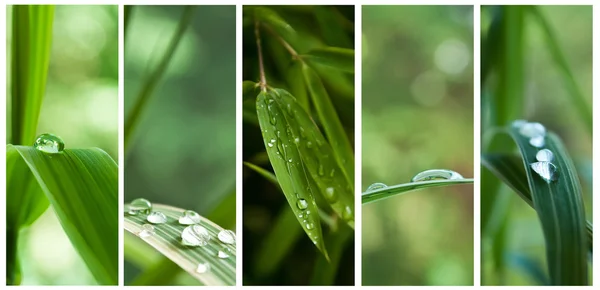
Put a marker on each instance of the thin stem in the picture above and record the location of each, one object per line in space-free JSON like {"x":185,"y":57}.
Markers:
{"x":261,"y":67}
{"x":286,"y":45}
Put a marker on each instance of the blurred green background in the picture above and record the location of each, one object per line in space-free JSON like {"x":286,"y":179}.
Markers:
{"x":183,"y":151}
{"x":545,"y":100}
{"x":417,"y":114}
{"x":80,"y":106}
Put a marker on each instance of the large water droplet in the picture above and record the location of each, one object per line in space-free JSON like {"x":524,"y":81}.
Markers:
{"x":376,"y":186}
{"x":147,"y":230}
{"x":531,"y":130}
{"x":546,"y":170}
{"x":203,"y":268}
{"x":222,"y":255}
{"x":436,"y":174}
{"x":189,"y":217}
{"x":537,"y":141}
{"x":157,"y":217}
{"x":195,"y":235}
{"x":302,"y":204}
{"x":544,"y":155}
{"x":49,"y":143}
{"x":519,"y":123}
{"x":227,"y":236}
{"x":330,"y":195}
{"x":140,"y":205}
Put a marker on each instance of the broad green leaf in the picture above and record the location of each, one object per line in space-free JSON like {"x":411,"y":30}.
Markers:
{"x":30,"y":56}
{"x":334,"y":130}
{"x":317,"y":156}
{"x":389,"y":191}
{"x":81,"y":185}
{"x":167,"y":240}
{"x":288,"y":166}
{"x":559,"y":206}
{"x":509,"y":168}
{"x":334,"y":57}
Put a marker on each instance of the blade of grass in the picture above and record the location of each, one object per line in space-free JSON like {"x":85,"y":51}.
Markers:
{"x":30,"y":56}
{"x":81,"y":185}
{"x":324,"y":272}
{"x":333,"y":57}
{"x":150,"y":84}
{"x":167,"y":240}
{"x":386,"y":192}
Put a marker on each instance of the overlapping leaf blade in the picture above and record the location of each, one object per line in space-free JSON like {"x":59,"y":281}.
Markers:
{"x":81,"y":185}
{"x":333,"y":57}
{"x":167,"y":240}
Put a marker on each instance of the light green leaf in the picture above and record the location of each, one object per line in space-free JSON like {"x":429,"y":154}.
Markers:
{"x":167,"y":240}
{"x":81,"y":185}
{"x":386,"y":192}
{"x":334,"y":57}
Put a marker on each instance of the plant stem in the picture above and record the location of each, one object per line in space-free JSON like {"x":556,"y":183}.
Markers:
{"x":261,"y":67}
{"x":150,"y":84}
{"x":286,"y":45}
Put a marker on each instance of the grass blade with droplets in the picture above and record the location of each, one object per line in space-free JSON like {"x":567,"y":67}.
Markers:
{"x":389,"y":191}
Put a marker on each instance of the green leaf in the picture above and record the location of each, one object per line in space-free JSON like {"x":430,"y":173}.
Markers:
{"x":334,"y":57}
{"x":167,"y":240}
{"x":271,"y":19}
{"x":324,"y":272}
{"x":383,"y":193}
{"x":316,"y":154}
{"x":559,"y":206}
{"x":288,"y":166}
{"x":30,"y":56}
{"x":81,"y":185}
{"x":332,"y":125}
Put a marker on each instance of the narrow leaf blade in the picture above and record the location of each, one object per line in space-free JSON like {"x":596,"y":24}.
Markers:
{"x":333,"y":57}
{"x":386,"y":192}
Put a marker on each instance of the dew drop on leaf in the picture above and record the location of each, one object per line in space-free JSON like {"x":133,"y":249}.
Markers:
{"x":302,"y":204}
{"x":49,"y":143}
{"x":147,"y":230}
{"x":157,"y":217}
{"x":227,"y":236}
{"x":376,"y":186}
{"x":321,"y":170}
{"x":331,"y":195}
{"x":195,"y":235}
{"x":546,"y":170}
{"x":140,"y":205}
{"x":531,"y":130}
{"x":222,"y":255}
{"x":310,"y":226}
{"x":544,"y":155}
{"x":347,"y":214}
{"x":203,"y":268}
{"x":433,"y":174}
{"x":537,"y":141}
{"x":189,"y":217}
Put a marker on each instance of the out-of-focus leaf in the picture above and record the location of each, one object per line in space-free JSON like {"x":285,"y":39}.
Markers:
{"x":334,"y":57}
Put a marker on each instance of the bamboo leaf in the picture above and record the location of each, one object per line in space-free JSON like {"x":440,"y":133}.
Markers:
{"x":334,"y":57}
{"x":271,"y":19}
{"x":30,"y":56}
{"x":167,"y":240}
{"x":334,"y":130}
{"x":81,"y":185}
{"x":389,"y":191}
{"x":288,"y":166}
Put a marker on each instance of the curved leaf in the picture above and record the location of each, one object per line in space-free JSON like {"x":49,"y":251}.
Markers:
{"x":383,"y":193}
{"x":167,"y":240}
{"x":81,"y":185}
{"x":334,"y":57}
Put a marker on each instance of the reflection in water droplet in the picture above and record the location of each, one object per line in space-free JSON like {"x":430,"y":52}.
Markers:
{"x":531,"y":130}
{"x":227,"y":236}
{"x":195,"y":235}
{"x":544,"y":155}
{"x":537,"y":141}
{"x":330,"y":195}
{"x":189,"y":217}
{"x":140,"y":205}
{"x":302,"y":204}
{"x":157,"y":217}
{"x":310,"y":226}
{"x":147,"y":230}
{"x":376,"y":186}
{"x":203,"y":268}
{"x":436,"y":174}
{"x":546,"y":170}
{"x":49,"y":143}
{"x":222,"y":255}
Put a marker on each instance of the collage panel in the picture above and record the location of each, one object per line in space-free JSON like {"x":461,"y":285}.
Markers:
{"x":536,"y":144}
{"x":180,"y":144}
{"x":417,"y":145}
{"x":62,"y":135}
{"x":298,"y":140}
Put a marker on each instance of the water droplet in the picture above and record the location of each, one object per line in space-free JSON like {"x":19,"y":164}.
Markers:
{"x":347,"y":213}
{"x":227,"y":236}
{"x":297,"y":140}
{"x":309,"y":144}
{"x":546,"y":170}
{"x":302,"y":133}
{"x":195,"y":235}
{"x":270,"y":144}
{"x":289,"y":109}
{"x":537,"y":141}
{"x":376,"y":186}
{"x":203,"y":268}
{"x":330,"y":195}
{"x":189,"y":217}
{"x":332,"y":172}
{"x":302,"y":204}
{"x":321,"y":170}
{"x":140,"y":205}
{"x":310,"y":226}
{"x":147,"y":230}
{"x":157,"y":217}
{"x":273,"y":121}
{"x":222,"y":255}
{"x":519,"y":123}
{"x":436,"y":174}
{"x":544,"y":155}
{"x":49,"y":143}
{"x":531,"y":130}
{"x":290,"y":160}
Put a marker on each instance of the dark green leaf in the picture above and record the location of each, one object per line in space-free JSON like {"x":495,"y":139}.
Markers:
{"x":383,"y":193}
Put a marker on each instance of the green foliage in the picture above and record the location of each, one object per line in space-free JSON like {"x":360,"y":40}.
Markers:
{"x":389,"y":191}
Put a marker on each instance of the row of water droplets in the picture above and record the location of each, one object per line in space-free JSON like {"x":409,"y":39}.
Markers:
{"x":194,"y":235}
{"x":536,"y":133}
{"x":431,"y":174}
